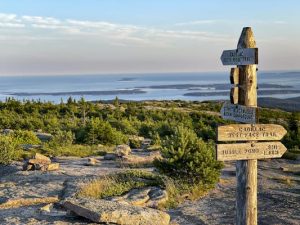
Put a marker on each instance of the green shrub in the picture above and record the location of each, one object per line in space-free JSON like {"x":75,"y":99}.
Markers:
{"x":25,"y":137}
{"x":188,"y":158}
{"x":61,"y":138}
{"x":72,"y":150}
{"x":135,"y":143}
{"x":101,"y":132}
{"x":8,"y":149}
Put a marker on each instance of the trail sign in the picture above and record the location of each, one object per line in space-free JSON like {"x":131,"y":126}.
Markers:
{"x":251,"y":132}
{"x":240,"y":56}
{"x":238,"y":113}
{"x":244,"y":97}
{"x":244,"y":151}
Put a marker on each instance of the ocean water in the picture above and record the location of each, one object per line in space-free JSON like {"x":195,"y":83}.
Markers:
{"x":164,"y":86}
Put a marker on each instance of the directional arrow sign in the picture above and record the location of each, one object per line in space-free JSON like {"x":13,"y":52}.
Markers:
{"x":240,"y":56}
{"x":251,"y":132}
{"x":238,"y":113}
{"x":244,"y":151}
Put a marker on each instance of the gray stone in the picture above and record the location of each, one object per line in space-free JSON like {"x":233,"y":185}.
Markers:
{"x":123,"y":150}
{"x":103,"y":211}
{"x":110,"y":156}
{"x":92,"y":162}
{"x":149,"y":196}
{"x":138,"y":196}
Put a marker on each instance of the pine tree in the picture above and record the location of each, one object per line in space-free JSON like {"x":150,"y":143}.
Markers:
{"x":188,"y":158}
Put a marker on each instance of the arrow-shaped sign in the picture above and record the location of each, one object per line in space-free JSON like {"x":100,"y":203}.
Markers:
{"x":240,"y":56}
{"x":244,"y":151}
{"x":251,"y":132}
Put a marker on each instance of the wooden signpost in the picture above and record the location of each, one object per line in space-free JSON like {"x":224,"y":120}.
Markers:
{"x":243,"y":109}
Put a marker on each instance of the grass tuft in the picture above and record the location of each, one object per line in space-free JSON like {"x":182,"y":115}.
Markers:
{"x":120,"y":183}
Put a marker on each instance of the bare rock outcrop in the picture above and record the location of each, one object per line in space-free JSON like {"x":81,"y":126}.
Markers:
{"x":148,"y":196}
{"x":103,"y":211}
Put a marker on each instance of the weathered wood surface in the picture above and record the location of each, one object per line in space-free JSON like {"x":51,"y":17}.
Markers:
{"x":251,"y":132}
{"x":240,"y":56}
{"x":234,"y":95}
{"x":246,"y":170}
{"x":234,"y":76}
{"x":244,"y":151}
{"x":238,"y":113}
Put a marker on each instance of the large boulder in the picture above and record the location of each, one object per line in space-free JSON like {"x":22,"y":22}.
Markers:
{"x":103,"y":211}
{"x":123,"y":150}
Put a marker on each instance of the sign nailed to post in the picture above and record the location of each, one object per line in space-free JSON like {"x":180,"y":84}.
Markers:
{"x":238,"y":113}
{"x":251,"y":132}
{"x":243,"y":151}
{"x":240,"y":56}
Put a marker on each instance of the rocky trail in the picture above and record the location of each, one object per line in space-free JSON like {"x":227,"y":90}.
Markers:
{"x":278,"y":194}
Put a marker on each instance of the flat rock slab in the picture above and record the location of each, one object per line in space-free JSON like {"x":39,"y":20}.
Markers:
{"x":103,"y":211}
{"x":149,"y":196}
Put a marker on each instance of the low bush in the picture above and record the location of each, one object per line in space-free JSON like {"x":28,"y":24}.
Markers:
{"x":8,"y":149}
{"x":189,"y":159}
{"x":73,"y":150}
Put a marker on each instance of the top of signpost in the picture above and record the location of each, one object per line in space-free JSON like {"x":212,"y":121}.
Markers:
{"x":247,"y":39}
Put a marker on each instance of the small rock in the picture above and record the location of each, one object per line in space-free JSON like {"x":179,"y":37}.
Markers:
{"x":93,"y":161}
{"x":27,"y":166}
{"x":39,"y":161}
{"x":47,"y":208}
{"x":138,"y":197}
{"x":103,"y":211}
{"x":43,"y":136}
{"x":150,"y":197}
{"x":53,"y":166}
{"x":110,"y":156}
{"x":41,"y":157}
{"x":157,"y":197}
{"x":123,"y":150}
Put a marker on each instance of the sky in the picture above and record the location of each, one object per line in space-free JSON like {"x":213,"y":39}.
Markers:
{"x":53,"y":37}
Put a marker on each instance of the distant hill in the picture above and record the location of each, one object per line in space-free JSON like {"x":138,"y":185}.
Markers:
{"x":290,"y":104}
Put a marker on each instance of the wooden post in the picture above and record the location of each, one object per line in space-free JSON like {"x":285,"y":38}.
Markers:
{"x":246,"y":170}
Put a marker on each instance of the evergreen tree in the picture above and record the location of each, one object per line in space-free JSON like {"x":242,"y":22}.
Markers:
{"x":188,"y":158}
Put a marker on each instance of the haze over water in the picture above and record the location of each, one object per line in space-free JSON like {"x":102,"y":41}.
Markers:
{"x":212,"y":86}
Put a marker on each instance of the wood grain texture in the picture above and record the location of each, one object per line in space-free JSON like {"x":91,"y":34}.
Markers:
{"x":234,"y":76}
{"x":251,"y":132}
{"x":234,"y":95}
{"x":244,"y":151}
{"x":246,"y":170}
